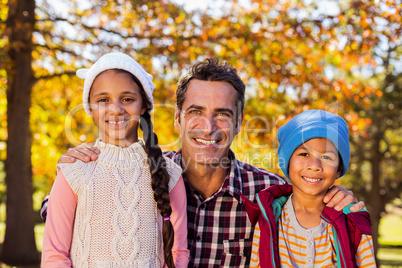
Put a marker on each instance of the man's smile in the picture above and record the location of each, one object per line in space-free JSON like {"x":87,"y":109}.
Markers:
{"x":206,"y":142}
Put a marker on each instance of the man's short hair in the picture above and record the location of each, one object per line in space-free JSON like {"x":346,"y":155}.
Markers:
{"x":214,"y":70}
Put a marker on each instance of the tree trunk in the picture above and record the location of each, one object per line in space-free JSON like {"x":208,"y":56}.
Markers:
{"x":19,"y":246}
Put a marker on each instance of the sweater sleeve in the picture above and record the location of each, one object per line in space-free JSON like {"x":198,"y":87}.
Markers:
{"x":59,"y":224}
{"x":174,"y":172}
{"x":365,"y":252}
{"x":178,"y":202}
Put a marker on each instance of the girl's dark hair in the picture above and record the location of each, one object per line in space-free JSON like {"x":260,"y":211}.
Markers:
{"x":160,"y":184}
{"x":160,"y":177}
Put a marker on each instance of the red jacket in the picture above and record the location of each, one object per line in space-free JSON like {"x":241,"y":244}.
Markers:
{"x":348,"y":226}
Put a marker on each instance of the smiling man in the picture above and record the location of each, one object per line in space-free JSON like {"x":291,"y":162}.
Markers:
{"x":207,"y":122}
{"x":209,"y":114}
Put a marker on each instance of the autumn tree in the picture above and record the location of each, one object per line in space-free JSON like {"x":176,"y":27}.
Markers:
{"x":340,"y":56}
{"x":45,"y":45}
{"x":19,"y":242}
{"x":293,"y":55}
{"x":376,"y":159}
{"x":370,"y":79}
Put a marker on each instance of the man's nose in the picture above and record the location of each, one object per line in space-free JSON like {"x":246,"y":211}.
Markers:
{"x":208,"y":124}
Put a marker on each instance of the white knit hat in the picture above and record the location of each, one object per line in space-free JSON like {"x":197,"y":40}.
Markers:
{"x":115,"y":60}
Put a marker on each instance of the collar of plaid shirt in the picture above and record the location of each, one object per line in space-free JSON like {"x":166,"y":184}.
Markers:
{"x":219,"y":231}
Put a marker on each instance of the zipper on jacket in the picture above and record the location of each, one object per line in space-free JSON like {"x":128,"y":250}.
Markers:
{"x":337,"y":245}
{"x":270,"y":229}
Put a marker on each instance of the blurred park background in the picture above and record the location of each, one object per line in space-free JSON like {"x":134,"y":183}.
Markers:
{"x":341,"y":56}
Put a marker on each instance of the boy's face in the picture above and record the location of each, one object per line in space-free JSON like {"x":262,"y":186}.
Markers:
{"x":314,"y":166}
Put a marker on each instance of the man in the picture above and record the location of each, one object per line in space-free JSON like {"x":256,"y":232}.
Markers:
{"x":209,"y":114}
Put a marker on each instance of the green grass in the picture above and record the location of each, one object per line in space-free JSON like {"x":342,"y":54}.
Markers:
{"x":390,"y":230}
{"x":39,"y":229}
{"x":390,"y":257}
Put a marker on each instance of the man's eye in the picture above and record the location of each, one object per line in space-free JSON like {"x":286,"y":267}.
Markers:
{"x":223,"y":115}
{"x":194,"y":112}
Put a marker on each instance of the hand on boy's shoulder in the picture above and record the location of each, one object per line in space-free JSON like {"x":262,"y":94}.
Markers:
{"x":338,"y":198}
{"x":85,"y":152}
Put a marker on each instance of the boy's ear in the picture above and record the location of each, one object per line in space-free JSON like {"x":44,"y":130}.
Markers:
{"x":340,"y":166}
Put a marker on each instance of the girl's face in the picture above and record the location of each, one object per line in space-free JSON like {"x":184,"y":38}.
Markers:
{"x":313,"y":167}
{"x":116,"y":106}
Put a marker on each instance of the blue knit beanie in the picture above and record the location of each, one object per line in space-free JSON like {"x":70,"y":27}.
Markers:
{"x":308,"y":125}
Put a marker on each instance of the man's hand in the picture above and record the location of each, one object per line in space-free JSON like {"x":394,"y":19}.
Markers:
{"x":339,"y":198}
{"x":85,"y":152}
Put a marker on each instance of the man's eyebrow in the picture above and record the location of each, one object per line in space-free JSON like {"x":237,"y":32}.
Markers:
{"x":193,"y":106}
{"x":226,"y":110}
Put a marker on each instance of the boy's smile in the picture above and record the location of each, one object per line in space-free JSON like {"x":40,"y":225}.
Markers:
{"x":313,"y":167}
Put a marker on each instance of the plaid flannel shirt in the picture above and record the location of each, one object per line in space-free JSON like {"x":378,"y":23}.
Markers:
{"x":219,"y":231}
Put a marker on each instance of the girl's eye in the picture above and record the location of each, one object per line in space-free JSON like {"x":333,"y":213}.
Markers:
{"x":303,"y":154}
{"x":128,"y":99}
{"x":326,"y":157}
{"x":102,"y":100}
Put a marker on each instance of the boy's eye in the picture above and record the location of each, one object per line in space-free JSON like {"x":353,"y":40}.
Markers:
{"x":303,"y":154}
{"x":327,"y":157}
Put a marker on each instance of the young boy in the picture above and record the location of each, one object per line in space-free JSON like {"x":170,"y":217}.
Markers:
{"x":294,"y":227}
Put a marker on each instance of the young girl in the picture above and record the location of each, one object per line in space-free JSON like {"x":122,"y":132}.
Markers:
{"x":127,"y":208}
{"x":294,"y":227}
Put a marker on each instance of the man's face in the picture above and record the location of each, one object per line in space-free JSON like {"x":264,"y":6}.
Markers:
{"x":207,"y":122}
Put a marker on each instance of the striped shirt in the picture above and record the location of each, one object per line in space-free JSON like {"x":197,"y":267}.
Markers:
{"x":314,"y":247}
{"x":219,"y":231}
